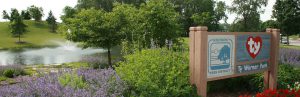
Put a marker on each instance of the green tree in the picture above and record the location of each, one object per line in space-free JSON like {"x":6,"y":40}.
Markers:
{"x":269,"y":24}
{"x":106,"y":5}
{"x":132,"y":28}
{"x":94,"y":28}
{"x":136,"y":3}
{"x":36,"y":12}
{"x":202,"y":19}
{"x":287,"y":13}
{"x":18,"y":28}
{"x":248,"y":13}
{"x":26,"y":15}
{"x":192,"y":10}
{"x":161,"y":22}
{"x":51,"y":20}
{"x":5,"y":15}
{"x":69,"y":12}
{"x":14,"y":14}
{"x":219,"y":14}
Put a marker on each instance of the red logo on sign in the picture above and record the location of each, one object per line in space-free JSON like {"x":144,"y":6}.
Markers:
{"x":253,"y":45}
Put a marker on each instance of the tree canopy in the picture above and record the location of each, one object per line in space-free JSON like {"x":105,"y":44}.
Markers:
{"x":287,"y":13}
{"x":17,"y":26}
{"x":36,"y":12}
{"x":26,"y":15}
{"x":248,"y":12}
{"x":94,"y":28}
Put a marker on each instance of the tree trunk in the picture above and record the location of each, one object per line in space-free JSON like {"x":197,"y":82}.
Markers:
{"x":287,"y":39}
{"x":109,"y":57}
{"x":19,"y":37}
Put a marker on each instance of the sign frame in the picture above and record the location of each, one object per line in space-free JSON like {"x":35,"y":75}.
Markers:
{"x":199,"y":64}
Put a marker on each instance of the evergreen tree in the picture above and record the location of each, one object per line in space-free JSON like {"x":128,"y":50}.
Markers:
{"x":51,"y":20}
{"x":17,"y":26}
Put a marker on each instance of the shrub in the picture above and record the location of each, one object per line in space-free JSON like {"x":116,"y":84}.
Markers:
{"x":9,"y":73}
{"x":72,"y":80}
{"x":2,"y":78}
{"x":100,"y":83}
{"x":156,"y":73}
{"x":12,"y":71}
{"x":287,"y":75}
{"x":295,"y":86}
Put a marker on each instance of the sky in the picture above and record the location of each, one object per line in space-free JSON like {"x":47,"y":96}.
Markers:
{"x":57,"y":7}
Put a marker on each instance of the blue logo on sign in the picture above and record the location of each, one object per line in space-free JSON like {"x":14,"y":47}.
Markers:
{"x":221,"y":58}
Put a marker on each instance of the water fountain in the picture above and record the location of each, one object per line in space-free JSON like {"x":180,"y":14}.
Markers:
{"x":67,"y":51}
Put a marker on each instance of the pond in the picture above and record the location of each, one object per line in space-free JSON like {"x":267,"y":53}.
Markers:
{"x":66,"y":52}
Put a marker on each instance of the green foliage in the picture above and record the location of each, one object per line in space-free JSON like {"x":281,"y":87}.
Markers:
{"x":236,"y":84}
{"x":51,"y":20}
{"x":13,"y":14}
{"x":132,"y":27}
{"x":210,"y":16}
{"x":36,"y":12}
{"x":17,"y":27}
{"x":94,"y":28}
{"x":249,"y":11}
{"x":69,"y":12}
{"x":287,"y":14}
{"x":287,"y":75}
{"x":106,"y":5}
{"x":161,"y":22}
{"x":156,"y":73}
{"x":295,"y":86}
{"x":5,"y":15}
{"x":269,"y":24}
{"x":202,"y":19}
{"x":9,"y":73}
{"x":12,"y":72}
{"x":73,"y":80}
{"x":26,"y":15}
{"x":2,"y":78}
{"x":136,"y":3}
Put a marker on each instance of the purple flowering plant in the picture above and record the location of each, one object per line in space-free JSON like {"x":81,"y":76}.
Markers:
{"x":98,"y":83}
{"x":289,"y":56}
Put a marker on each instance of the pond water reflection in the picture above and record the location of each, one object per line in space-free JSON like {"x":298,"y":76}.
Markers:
{"x":65,"y":53}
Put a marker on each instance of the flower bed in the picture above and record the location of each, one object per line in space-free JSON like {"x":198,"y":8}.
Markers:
{"x":68,"y":83}
{"x":289,"y":56}
{"x":276,"y":93}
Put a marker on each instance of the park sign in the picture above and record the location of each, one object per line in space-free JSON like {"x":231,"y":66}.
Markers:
{"x":221,"y":55}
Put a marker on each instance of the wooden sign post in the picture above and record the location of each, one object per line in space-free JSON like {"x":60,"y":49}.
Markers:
{"x":221,"y":55}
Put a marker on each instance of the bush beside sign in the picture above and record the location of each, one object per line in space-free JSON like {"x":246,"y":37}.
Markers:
{"x":220,"y":55}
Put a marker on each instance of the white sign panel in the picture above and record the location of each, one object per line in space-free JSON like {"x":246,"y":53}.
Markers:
{"x":220,"y":55}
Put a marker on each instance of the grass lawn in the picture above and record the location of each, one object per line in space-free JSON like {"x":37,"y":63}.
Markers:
{"x":294,"y":37}
{"x":290,"y":46}
{"x":37,"y":35}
